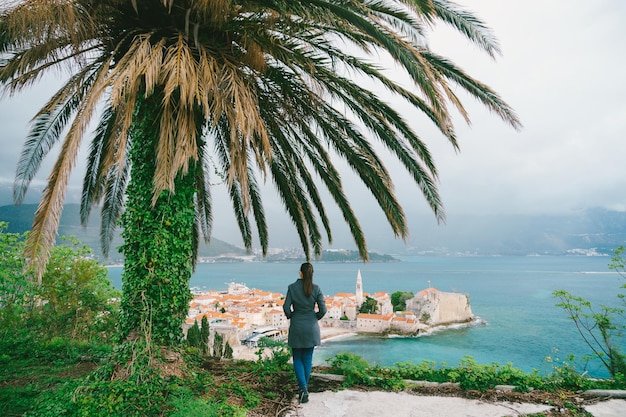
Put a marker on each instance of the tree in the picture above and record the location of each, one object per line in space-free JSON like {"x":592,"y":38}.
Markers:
{"x":228,"y":351}
{"x":369,"y":306}
{"x":601,"y":328}
{"x":398,"y":299}
{"x":16,"y":292}
{"x":76,"y":299}
{"x":184,"y":88}
{"x":79,"y":300}
{"x":218,"y":345}
{"x":194,"y":338}
{"x":205,"y":332}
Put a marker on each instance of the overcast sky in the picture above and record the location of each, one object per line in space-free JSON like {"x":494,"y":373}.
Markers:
{"x":562,"y":69}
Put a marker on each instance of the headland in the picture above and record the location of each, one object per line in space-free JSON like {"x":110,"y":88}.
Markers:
{"x":241,"y":316}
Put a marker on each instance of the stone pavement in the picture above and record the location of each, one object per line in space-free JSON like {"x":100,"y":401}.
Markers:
{"x":350,"y":403}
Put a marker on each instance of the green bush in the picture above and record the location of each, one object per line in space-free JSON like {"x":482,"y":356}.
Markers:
{"x":472,"y":376}
{"x":564,"y":376}
{"x":186,"y":405}
{"x":75,"y":299}
{"x":424,"y":371}
{"x":469,"y":374}
{"x":354,"y":368}
{"x":602,"y":327}
{"x":121,"y":398}
{"x":55,"y":402}
{"x":272,"y":356}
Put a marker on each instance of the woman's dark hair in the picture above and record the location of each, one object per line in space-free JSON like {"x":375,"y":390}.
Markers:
{"x":307,"y":278}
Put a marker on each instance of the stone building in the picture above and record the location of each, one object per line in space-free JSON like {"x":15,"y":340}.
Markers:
{"x":373,"y":323}
{"x":436,"y":308}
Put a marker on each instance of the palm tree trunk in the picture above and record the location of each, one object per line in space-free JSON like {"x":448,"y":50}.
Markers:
{"x":158,"y":241}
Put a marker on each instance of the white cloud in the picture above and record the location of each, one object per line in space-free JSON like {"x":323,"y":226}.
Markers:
{"x":561,"y":69}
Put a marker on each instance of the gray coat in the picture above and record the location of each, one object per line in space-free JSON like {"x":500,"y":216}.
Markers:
{"x":304,"y":331}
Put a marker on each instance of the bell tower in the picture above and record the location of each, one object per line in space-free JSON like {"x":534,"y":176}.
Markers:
{"x":359,"y":290}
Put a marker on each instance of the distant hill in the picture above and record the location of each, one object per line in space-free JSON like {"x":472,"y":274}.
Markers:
{"x":331,"y":256}
{"x":586,"y":232}
{"x":589,"y":232}
{"x":592,"y":231}
{"x":20,"y":219}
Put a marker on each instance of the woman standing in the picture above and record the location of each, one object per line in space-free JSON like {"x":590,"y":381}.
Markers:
{"x":304,"y":331}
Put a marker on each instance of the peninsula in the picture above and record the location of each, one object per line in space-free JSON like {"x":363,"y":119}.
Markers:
{"x":241,"y":315}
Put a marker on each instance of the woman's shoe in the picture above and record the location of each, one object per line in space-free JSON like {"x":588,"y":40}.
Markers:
{"x":303,"y":396}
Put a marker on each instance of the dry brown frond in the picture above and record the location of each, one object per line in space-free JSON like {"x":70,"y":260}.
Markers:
{"x":224,"y":91}
{"x":142,"y":63}
{"x":46,"y":222}
{"x":245,"y":121}
{"x":44,"y":19}
{"x":178,"y":127}
{"x":142,"y":58}
{"x":254,"y":57}
{"x":186,"y":147}
{"x":42,"y":236}
{"x":45,"y":225}
{"x":168,"y":4}
{"x":179,"y":74}
{"x":123,"y":122}
{"x":212,"y":9}
{"x":455,"y":101}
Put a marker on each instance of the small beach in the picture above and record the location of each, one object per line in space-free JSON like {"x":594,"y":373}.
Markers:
{"x":329,"y":333}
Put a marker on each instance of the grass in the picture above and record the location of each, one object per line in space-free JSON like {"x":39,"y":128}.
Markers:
{"x":69,"y":379}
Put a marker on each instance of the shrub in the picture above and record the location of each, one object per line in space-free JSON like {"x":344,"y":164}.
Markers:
{"x":353,"y":367}
{"x":603,"y":328}
{"x":272,"y":356}
{"x":424,"y":371}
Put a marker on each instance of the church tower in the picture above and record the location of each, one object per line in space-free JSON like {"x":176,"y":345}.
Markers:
{"x":359,"y":290}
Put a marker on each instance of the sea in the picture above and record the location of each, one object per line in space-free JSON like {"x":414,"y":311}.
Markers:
{"x":518,"y":322}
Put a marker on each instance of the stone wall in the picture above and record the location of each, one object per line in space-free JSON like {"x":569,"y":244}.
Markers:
{"x":453,"y":308}
{"x":436,"y":308}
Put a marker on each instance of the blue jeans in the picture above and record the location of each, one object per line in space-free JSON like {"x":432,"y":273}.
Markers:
{"x":302,"y":364}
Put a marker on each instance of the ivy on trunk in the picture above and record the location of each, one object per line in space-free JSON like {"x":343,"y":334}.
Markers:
{"x":158,"y":241}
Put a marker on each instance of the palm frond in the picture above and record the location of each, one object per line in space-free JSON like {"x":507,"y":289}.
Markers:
{"x":241,"y":214}
{"x":47,"y":128}
{"x":283,"y":180}
{"x":96,"y":170}
{"x":48,"y":215}
{"x":113,"y":205}
{"x":270,"y":82}
{"x":477,"y":89}
{"x":468,"y":24}
{"x":256,"y":202}
{"x":46,"y":222}
{"x":204,"y":205}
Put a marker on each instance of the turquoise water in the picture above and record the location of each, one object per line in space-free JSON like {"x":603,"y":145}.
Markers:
{"x":511,"y":295}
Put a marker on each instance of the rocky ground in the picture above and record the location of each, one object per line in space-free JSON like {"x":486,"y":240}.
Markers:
{"x":282,"y":401}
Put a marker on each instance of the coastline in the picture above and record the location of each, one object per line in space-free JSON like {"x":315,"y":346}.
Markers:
{"x":330,"y":333}
{"x":327,"y":333}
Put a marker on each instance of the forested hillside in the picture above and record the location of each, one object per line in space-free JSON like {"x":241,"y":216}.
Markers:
{"x":20,"y":219}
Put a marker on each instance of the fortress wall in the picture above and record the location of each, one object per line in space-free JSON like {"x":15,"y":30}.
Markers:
{"x":453,"y":308}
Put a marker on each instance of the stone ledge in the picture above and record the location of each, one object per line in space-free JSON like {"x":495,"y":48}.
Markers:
{"x":613,"y":393}
{"x":604,"y":393}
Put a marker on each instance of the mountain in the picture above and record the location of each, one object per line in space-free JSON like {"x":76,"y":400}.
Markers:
{"x":20,"y":219}
{"x":593,"y":231}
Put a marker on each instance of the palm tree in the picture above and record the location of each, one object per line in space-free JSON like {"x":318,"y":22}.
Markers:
{"x":183,"y":88}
